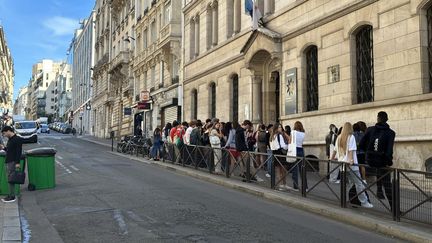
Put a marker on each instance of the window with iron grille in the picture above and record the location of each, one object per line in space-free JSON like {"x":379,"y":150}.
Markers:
{"x":311,"y":78}
{"x":429,"y":24}
{"x":213,"y":100}
{"x":235,"y":92}
{"x":364,"y":61}
{"x":194,"y":104}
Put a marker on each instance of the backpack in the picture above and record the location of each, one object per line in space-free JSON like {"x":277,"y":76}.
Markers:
{"x":195,"y":137}
{"x":375,"y":151}
{"x":240,"y":140}
{"x":205,"y":139}
{"x":262,"y":137}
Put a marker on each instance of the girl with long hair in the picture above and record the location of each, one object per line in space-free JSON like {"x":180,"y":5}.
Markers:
{"x":278,"y":146}
{"x":299,"y":135}
{"x":345,"y":151}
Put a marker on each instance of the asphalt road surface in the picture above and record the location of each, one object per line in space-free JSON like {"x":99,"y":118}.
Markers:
{"x":101,"y":197}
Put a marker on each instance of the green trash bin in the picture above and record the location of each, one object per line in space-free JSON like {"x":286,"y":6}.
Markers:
{"x":4,"y":185}
{"x":41,"y":168}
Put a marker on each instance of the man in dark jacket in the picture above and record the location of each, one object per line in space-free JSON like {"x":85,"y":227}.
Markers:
{"x":378,"y":143}
{"x":13,"y":155}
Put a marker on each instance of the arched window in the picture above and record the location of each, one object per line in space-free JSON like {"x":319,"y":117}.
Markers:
{"x":311,"y":54}
{"x":364,"y":64}
{"x":194,"y":105}
{"x":234,"y":98}
{"x":212,"y":100}
{"x":429,"y":46}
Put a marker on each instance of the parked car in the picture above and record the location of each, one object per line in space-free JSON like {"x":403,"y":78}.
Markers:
{"x":43,"y":128}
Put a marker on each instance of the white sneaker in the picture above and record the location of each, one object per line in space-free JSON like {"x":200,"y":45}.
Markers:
{"x":364,"y":182}
{"x":288,"y":187}
{"x":281,"y":188}
{"x":337,"y":182}
{"x":268,"y":175}
{"x":259,"y":179}
{"x":367,"y":205}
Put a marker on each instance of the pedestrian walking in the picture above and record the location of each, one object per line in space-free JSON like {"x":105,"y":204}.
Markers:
{"x":345,"y":151}
{"x":13,"y":155}
{"x":378,"y":143}
{"x":261,"y":138}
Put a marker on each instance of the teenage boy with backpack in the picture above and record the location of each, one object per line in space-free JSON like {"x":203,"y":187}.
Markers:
{"x":378,"y":143}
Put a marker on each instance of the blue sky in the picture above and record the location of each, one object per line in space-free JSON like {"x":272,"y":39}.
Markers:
{"x":40,"y":29}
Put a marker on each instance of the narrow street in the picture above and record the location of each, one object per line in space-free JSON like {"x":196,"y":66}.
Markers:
{"x":105,"y":198}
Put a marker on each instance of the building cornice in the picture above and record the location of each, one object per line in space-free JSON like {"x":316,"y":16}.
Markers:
{"x":215,"y":68}
{"x":325,"y":19}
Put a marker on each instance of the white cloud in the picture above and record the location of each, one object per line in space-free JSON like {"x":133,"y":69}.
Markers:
{"x":61,"y":25}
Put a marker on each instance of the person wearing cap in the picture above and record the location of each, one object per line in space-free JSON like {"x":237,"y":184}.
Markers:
{"x":13,"y":155}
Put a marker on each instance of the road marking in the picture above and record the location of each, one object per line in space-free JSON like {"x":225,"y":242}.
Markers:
{"x":75,"y":168}
{"x":120,"y":221}
{"x":63,"y":167}
{"x":25,"y":227}
{"x":58,"y":156}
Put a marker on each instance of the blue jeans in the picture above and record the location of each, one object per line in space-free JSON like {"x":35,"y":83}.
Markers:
{"x":269,"y":161}
{"x":296,"y":171}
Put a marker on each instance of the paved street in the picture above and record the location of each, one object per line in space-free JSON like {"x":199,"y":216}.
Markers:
{"x":100,"y":198}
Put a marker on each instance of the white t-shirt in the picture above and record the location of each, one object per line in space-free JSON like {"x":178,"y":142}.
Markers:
{"x":186,"y":137}
{"x":352,"y":146}
{"x":299,"y":138}
{"x":278,"y":143}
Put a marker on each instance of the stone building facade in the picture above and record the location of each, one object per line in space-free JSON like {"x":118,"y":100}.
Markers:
{"x":157,"y":64}
{"x":43,"y":88}
{"x":102,"y":96}
{"x":6,"y":75}
{"x":82,"y":86}
{"x":318,"y":62}
{"x":121,"y":79}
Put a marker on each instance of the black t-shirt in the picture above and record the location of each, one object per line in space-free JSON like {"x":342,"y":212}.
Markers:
{"x":13,"y":149}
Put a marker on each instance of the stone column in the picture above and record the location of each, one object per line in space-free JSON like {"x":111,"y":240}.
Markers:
{"x":197,"y":38}
{"x":215,"y":25}
{"x":257,"y":99}
{"x":237,"y":17}
{"x":267,"y":7}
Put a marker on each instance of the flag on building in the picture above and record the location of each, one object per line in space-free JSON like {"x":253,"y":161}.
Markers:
{"x":249,"y":7}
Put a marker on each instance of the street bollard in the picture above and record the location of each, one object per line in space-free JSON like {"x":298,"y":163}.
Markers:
{"x":112,"y":140}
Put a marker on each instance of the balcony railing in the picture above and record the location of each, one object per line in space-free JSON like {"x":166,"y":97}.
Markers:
{"x":121,"y":59}
{"x":104,"y":60}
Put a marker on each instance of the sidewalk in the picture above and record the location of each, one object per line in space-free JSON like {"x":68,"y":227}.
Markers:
{"x":406,"y":231}
{"x":10,"y":225}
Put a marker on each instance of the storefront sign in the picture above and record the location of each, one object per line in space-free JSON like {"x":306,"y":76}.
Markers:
{"x":144,"y":95}
{"x":127,"y":111}
{"x":291,"y":91}
{"x":143,"y":106}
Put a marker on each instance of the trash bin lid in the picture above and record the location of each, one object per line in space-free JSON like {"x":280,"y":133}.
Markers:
{"x":44,"y":151}
{"x":3,"y":154}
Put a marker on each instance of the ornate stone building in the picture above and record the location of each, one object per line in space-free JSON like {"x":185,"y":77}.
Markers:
{"x":6,"y":75}
{"x":318,"y":62}
{"x":157,"y":63}
{"x":121,"y":81}
{"x":102,"y":96}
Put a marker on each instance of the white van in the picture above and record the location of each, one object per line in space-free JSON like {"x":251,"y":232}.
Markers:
{"x":27,"y":130}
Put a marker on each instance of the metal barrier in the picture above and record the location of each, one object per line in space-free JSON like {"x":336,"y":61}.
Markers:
{"x":397,"y":193}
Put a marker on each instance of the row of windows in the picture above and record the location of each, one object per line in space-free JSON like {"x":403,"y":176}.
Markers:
{"x":364,"y":77}
{"x":233,"y":24}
